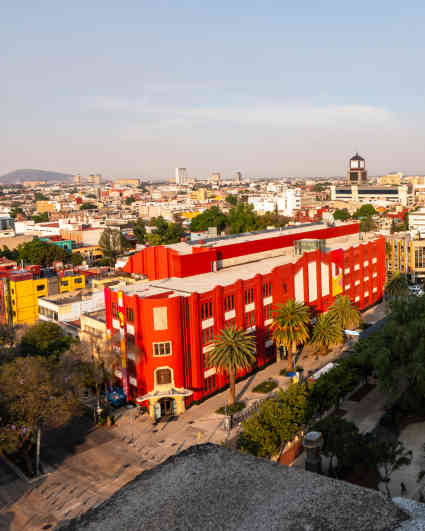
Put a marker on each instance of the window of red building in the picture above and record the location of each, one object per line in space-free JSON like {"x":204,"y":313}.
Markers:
{"x":114,"y":309}
{"x":267,"y":289}
{"x":250,"y":319}
{"x":162,"y":349}
{"x":268,"y":312}
{"x":206,"y":310}
{"x":249,"y":295}
{"x":163,"y":376}
{"x":129,"y":314}
{"x":229,"y":303}
{"x":207,"y":335}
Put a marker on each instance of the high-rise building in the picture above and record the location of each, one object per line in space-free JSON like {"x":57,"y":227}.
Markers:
{"x":357,"y":173}
{"x":181,"y":176}
{"x":237,"y":177}
{"x":94,"y":179}
{"x":77,"y":179}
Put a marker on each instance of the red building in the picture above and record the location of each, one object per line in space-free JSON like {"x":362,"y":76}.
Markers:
{"x":165,"y":327}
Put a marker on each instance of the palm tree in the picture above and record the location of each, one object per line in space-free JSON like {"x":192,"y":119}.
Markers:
{"x":290,"y":326}
{"x":234,"y":349}
{"x":326,"y":332}
{"x":396,"y":287}
{"x":344,"y":313}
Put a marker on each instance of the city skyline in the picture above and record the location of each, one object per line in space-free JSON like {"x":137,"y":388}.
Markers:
{"x":139,"y":90}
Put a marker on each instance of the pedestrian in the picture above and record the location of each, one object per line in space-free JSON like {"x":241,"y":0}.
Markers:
{"x":403,"y":488}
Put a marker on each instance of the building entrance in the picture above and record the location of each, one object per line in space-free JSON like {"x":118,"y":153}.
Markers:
{"x":167,"y":407}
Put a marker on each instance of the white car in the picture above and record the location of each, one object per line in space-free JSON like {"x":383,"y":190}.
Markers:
{"x":416,"y":290}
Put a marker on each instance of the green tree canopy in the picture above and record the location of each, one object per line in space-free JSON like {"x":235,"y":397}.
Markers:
{"x":367,"y":225}
{"x":34,"y":394}
{"x":232,"y":199}
{"x":164,"y":232}
{"x":234,"y":349}
{"x":277,"y":422}
{"x":46,"y":339}
{"x":290,"y":326}
{"x":242,"y":218}
{"x":40,"y":218}
{"x":396,"y":287}
{"x":139,"y":231}
{"x":341,"y":214}
{"x":365,"y":211}
{"x":88,"y":206}
{"x":212,"y":217}
{"x":326,"y":332}
{"x":113,"y":243}
{"x":41,"y":253}
{"x":76,"y":259}
{"x":344,"y":313}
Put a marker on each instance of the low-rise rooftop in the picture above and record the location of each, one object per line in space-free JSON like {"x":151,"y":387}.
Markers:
{"x":214,"y":488}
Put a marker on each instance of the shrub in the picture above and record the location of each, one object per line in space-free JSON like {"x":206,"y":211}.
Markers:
{"x":265,"y":387}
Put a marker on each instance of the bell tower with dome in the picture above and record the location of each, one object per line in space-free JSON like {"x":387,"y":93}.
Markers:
{"x":357,"y":173}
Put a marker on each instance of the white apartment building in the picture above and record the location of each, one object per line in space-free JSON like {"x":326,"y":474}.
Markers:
{"x":286,"y":203}
{"x":181,"y":176}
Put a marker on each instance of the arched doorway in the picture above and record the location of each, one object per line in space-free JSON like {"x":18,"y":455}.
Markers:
{"x":166,"y":407}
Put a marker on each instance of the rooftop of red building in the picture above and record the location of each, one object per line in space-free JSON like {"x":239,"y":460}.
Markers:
{"x":204,"y":282}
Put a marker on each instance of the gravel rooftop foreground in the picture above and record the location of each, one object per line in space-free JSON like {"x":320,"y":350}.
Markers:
{"x":212,"y":487}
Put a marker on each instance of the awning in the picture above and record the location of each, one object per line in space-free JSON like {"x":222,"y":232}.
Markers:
{"x":170,"y":393}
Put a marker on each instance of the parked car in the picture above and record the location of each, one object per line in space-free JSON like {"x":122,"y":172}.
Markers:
{"x":416,"y":290}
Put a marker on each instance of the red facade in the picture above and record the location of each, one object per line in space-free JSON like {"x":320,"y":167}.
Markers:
{"x":194,"y":319}
{"x":164,"y":262}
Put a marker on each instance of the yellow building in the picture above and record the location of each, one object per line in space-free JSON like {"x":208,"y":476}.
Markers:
{"x":45,"y":206}
{"x":199,"y":195}
{"x":405,"y":255}
{"x":23,"y":291}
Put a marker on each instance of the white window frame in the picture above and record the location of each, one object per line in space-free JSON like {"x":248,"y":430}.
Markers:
{"x":162,"y":343}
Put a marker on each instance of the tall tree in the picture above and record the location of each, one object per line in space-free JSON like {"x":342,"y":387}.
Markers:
{"x":242,"y":218}
{"x":290,"y":326}
{"x":35,"y":394}
{"x":341,"y":214}
{"x":344,"y":313}
{"x":41,"y":253}
{"x":326,"y":332}
{"x":139,"y":231}
{"x":234,"y":349}
{"x":44,"y":339}
{"x":212,"y":217}
{"x":164,"y":232}
{"x":113,"y":243}
{"x":365,"y":211}
{"x":396,"y":287}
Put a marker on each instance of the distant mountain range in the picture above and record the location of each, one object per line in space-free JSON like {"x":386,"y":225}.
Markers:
{"x":19,"y":176}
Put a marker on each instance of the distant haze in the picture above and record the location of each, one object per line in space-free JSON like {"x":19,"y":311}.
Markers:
{"x":137,"y":88}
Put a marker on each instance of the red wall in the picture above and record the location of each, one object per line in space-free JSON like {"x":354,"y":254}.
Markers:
{"x":184,"y":319}
{"x":162,"y":262}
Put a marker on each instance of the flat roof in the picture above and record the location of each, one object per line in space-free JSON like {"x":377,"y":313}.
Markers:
{"x":186,"y":247}
{"x":227,"y":276}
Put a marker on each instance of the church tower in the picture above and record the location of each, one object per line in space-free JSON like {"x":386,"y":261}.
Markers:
{"x":357,"y":173}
